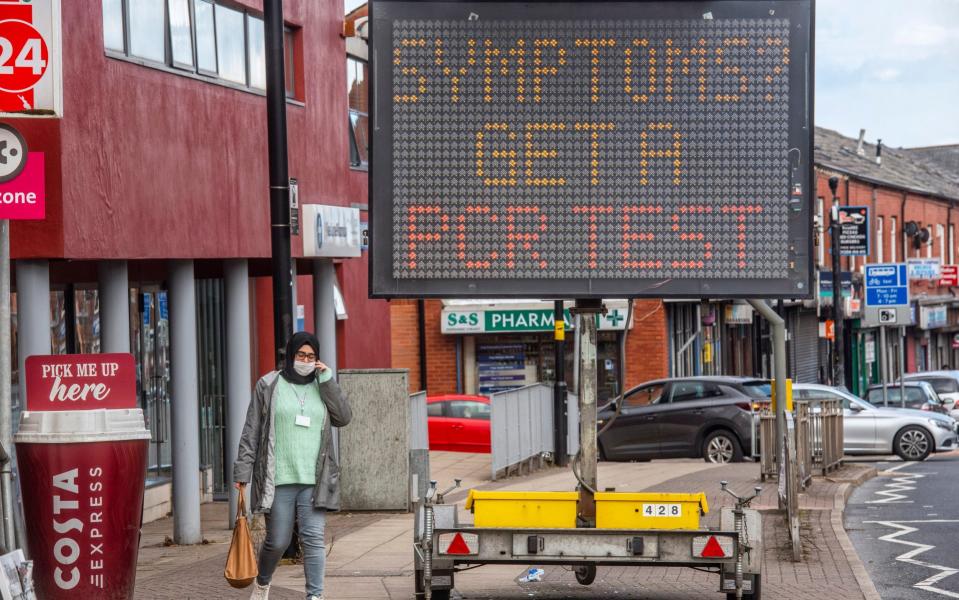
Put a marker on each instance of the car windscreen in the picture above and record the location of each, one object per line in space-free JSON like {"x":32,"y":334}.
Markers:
{"x":757,"y":389}
{"x":943,"y":385}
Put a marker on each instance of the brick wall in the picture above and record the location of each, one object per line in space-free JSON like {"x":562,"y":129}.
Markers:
{"x":646,"y":345}
{"x":440,"y":353}
{"x":405,"y":341}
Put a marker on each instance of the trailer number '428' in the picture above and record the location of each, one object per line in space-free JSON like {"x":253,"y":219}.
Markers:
{"x":662,"y":510}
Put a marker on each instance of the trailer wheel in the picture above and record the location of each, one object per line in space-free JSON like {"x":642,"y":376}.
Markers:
{"x":756,"y":594}
{"x":419,"y":589}
{"x":585,"y":574}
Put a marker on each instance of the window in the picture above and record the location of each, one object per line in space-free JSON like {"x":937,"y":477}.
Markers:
{"x":952,"y":244}
{"x":758,"y":389}
{"x":944,"y":386}
{"x":879,"y":241}
{"x":941,"y":236}
{"x":113,"y":25}
{"x":205,"y":37}
{"x":181,"y":36}
{"x":893,"y":240}
{"x":146,"y":29}
{"x":257,"y":52}
{"x":356,"y":88}
{"x":823,"y":395}
{"x":434,"y":410}
{"x":468,"y":409}
{"x":200,"y":37}
{"x":646,"y":396}
{"x":230,"y":44}
{"x":929,"y":243}
{"x":685,"y":391}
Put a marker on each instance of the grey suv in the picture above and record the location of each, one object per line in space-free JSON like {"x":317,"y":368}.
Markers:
{"x":708,"y":417}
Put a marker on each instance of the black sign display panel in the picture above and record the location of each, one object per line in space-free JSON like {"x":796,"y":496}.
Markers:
{"x":591,"y":149}
{"x":854,"y":230}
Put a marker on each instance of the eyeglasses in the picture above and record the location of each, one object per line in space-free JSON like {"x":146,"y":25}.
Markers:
{"x":303,"y":356}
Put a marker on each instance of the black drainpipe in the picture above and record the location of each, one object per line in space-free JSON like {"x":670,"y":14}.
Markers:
{"x":902,"y":227}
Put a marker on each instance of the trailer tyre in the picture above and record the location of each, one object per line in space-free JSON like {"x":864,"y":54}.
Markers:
{"x":756,"y":594}
{"x":585,"y":574}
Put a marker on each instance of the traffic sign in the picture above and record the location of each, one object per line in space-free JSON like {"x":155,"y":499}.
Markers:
{"x":887,"y":294}
{"x":30,"y":64}
{"x":600,"y":149}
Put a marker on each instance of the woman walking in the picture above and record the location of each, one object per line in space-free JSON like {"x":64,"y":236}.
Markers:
{"x":286,"y":450}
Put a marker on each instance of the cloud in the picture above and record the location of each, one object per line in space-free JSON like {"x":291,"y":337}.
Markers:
{"x":887,"y":74}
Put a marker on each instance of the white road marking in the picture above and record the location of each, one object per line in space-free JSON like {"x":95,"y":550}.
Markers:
{"x":928,"y":583}
{"x":901,"y":465}
{"x":894,"y":494}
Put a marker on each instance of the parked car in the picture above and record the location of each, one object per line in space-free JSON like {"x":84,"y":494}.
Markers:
{"x":708,"y":417}
{"x":946,"y":384}
{"x":459,"y":423}
{"x":919,"y":395}
{"x":870,"y":429}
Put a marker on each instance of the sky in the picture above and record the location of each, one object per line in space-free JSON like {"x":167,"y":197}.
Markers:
{"x":889,"y":66}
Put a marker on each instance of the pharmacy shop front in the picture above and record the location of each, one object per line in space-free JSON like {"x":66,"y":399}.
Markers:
{"x":503,"y":345}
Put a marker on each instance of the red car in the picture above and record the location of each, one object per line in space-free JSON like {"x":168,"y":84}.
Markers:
{"x":459,"y":423}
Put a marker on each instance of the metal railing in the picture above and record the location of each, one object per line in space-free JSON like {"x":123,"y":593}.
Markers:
{"x":818,"y":441}
{"x":521,"y":429}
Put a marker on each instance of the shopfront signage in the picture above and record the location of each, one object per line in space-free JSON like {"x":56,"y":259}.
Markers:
{"x":331,"y":231}
{"x":955,"y":341}
{"x":739,"y":314}
{"x":854,"y":230}
{"x":30,"y":58}
{"x":931,"y":317}
{"x":924,"y":268}
{"x":949,"y":276}
{"x":887,"y":295}
{"x":827,"y":329}
{"x":494,"y":320}
{"x":870,"y":351}
{"x":826,"y":285}
{"x":81,"y":382}
{"x":591,"y":149}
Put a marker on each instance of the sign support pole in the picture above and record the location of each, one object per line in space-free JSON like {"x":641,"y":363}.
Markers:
{"x":839,"y":372}
{"x":561,"y":454}
{"x":279,"y":176}
{"x":883,"y":365}
{"x":902,"y":366}
{"x":779,"y":371}
{"x":6,"y":401}
{"x":588,"y":452}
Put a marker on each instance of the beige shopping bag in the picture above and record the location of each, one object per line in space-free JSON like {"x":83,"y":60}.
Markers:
{"x":241,"y":567}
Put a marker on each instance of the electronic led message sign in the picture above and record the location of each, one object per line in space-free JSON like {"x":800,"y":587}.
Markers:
{"x":591,"y":149}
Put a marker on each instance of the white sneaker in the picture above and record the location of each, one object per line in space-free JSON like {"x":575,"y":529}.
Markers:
{"x":260,"y":592}
{"x":316,"y":598}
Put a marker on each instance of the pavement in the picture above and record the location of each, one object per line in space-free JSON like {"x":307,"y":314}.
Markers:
{"x":905,"y":523}
{"x":369,"y":555}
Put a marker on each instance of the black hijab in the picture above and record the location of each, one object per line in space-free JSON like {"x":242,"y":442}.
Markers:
{"x":296,"y":342}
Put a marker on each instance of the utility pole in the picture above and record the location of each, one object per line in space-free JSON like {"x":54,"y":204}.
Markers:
{"x":279,"y":176}
{"x":839,"y":372}
{"x":588,"y":451}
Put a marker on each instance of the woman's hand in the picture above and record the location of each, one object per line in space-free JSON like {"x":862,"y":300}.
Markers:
{"x":321,"y":367}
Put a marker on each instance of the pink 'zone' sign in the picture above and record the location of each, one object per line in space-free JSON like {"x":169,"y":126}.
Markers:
{"x":24,"y":198}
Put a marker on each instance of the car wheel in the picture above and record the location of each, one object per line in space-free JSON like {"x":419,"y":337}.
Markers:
{"x":721,"y":447}
{"x":913,"y":443}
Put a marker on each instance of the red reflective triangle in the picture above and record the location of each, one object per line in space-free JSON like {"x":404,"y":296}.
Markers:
{"x":458,"y":546}
{"x":713,"y":549}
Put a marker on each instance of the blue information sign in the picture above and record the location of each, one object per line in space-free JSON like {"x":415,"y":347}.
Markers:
{"x":887,"y":285}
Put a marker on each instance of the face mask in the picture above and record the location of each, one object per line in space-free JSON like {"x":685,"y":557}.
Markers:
{"x":304,"y":368}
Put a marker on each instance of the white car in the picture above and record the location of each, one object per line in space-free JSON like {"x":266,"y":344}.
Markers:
{"x":946,"y":384}
{"x":869,"y":429}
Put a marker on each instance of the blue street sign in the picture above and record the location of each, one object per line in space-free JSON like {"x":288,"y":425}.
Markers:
{"x":887,"y":285}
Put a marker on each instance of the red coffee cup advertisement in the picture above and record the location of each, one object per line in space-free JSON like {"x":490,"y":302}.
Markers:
{"x":81,"y":382}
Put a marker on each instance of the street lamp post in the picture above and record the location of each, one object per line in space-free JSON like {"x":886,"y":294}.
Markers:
{"x":839,"y":373}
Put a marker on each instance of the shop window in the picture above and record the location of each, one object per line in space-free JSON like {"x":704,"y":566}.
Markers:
{"x":646,"y":396}
{"x":289,"y":47}
{"x":146,"y":29}
{"x":230,"y":45}
{"x":356,"y":87}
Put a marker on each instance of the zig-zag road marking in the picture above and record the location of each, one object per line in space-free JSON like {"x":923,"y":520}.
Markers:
{"x":928,"y":583}
{"x":904,"y":482}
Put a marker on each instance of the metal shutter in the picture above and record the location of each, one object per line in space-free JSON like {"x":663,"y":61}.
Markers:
{"x":806,"y":347}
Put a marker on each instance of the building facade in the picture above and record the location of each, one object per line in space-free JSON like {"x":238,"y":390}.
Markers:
{"x":157,"y":234}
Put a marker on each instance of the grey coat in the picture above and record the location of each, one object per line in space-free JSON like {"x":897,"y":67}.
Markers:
{"x":256,"y":459}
